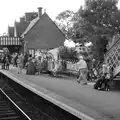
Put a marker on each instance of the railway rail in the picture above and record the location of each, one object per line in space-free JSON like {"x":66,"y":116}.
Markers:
{"x":32,"y":105}
{"x":14,"y":107}
{"x":9,"y":110}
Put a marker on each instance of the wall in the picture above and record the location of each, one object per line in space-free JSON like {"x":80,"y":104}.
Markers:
{"x":44,"y":35}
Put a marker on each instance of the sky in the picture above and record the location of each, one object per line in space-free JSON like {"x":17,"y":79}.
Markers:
{"x":11,"y":10}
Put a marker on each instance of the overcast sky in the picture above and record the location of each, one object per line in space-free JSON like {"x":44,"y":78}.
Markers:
{"x":14,"y":9}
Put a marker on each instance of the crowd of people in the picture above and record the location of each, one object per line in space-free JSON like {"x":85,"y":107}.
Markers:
{"x":25,"y":61}
{"x":5,"y":60}
{"x":105,"y":79}
{"x":15,"y":59}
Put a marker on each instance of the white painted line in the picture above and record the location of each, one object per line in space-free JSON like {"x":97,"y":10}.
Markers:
{"x":71,"y":110}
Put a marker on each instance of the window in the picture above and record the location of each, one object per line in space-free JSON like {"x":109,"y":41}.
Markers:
{"x":32,"y":52}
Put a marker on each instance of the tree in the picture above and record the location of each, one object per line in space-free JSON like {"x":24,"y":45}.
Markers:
{"x":64,"y":21}
{"x":115,"y":21}
{"x":68,"y":54}
{"x":97,"y":20}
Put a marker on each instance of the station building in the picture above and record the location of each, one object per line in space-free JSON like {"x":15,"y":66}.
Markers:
{"x":34,"y":31}
{"x":12,"y":40}
{"x":42,"y":33}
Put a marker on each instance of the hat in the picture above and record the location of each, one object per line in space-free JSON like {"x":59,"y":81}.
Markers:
{"x":81,"y":57}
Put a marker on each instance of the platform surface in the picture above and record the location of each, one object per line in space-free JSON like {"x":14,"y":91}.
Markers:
{"x":100,"y":105}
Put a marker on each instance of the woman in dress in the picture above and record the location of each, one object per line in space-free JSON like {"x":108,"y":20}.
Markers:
{"x":30,"y":66}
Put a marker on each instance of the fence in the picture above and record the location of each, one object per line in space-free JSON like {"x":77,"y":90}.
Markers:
{"x":72,"y":66}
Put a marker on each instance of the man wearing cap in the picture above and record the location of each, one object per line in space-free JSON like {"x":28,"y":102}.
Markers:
{"x":82,"y":70}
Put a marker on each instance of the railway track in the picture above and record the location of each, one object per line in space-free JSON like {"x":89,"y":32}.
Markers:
{"x":26,"y":104}
{"x":14,"y":107}
{"x":9,"y":110}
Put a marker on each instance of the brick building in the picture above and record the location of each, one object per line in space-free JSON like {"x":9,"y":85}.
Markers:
{"x":42,"y":33}
{"x":19,"y":27}
{"x":13,"y":40}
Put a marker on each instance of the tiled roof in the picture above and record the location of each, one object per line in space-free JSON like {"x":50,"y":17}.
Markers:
{"x":32,"y":23}
{"x":20,"y":27}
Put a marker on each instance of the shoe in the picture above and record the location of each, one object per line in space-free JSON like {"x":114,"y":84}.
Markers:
{"x":84,"y":83}
{"x":78,"y":81}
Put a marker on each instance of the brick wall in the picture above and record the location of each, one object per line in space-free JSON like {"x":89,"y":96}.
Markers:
{"x":44,"y":35}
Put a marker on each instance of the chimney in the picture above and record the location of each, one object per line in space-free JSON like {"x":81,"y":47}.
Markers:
{"x":27,"y":17}
{"x":22,"y":20}
{"x":39,"y":12}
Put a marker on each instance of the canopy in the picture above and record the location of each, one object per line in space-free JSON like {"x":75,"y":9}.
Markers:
{"x":55,"y":53}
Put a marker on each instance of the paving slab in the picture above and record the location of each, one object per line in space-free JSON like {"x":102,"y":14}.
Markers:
{"x":82,"y":99}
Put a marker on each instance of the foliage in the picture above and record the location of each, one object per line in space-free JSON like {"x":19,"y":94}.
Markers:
{"x":97,"y":22}
{"x":64,"y":22}
{"x":68,"y":54}
{"x":99,"y":13}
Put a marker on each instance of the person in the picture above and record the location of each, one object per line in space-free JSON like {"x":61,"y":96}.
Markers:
{"x":82,"y":70}
{"x":3,"y":60}
{"x":50,"y":64}
{"x":57,"y":68}
{"x":20,"y":63}
{"x":30,"y":66}
{"x":15,"y":59}
{"x":25,"y":59}
{"x":102,"y":82}
{"x":91,"y":67}
{"x":7,"y":63}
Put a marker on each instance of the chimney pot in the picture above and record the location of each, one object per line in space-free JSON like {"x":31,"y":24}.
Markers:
{"x":39,"y":12}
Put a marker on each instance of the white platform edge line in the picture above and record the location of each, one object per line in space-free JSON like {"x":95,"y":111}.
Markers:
{"x":54,"y":101}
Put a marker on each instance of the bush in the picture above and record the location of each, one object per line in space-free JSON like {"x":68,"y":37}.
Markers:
{"x":68,"y":54}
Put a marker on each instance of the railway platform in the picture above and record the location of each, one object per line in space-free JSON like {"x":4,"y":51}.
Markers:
{"x":80,"y":100}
